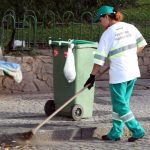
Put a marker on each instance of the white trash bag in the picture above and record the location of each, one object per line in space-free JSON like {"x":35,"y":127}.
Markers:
{"x":69,"y":68}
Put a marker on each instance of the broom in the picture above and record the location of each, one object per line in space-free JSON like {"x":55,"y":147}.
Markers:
{"x":32,"y":132}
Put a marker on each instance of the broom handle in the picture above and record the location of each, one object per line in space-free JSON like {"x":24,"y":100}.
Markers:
{"x":65,"y":104}
{"x":59,"y":109}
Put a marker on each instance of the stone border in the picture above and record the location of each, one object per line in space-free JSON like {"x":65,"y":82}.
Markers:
{"x":38,"y":73}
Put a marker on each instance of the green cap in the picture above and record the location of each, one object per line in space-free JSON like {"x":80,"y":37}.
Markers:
{"x":102,"y":11}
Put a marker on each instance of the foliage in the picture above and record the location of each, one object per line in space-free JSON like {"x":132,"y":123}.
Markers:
{"x":119,"y":3}
{"x":76,"y":6}
{"x":70,"y":23}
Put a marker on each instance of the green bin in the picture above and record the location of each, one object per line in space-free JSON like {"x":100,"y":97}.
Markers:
{"x":82,"y":106}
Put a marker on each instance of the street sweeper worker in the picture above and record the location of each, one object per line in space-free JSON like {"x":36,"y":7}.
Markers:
{"x":120,"y":43}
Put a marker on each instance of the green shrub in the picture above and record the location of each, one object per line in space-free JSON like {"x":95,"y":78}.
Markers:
{"x":119,"y":3}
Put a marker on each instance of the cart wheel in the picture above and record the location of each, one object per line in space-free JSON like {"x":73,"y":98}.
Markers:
{"x":77,"y":112}
{"x":49,"y":107}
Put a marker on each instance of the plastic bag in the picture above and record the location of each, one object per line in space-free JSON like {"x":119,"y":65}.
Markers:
{"x":18,"y":43}
{"x":69,"y":68}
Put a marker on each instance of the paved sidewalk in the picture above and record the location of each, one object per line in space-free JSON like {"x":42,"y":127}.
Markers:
{"x":20,"y":113}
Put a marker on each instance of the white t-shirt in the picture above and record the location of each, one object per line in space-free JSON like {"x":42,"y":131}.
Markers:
{"x":119,"y":43}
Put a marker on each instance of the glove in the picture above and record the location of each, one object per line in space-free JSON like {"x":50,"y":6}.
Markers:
{"x":90,"y":81}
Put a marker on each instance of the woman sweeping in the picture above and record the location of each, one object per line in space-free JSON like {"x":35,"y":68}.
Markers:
{"x":120,"y":43}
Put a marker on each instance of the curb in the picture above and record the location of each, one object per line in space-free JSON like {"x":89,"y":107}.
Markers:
{"x":57,"y":135}
{"x":80,"y":133}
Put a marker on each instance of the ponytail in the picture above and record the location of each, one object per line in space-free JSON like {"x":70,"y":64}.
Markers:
{"x":117,"y":15}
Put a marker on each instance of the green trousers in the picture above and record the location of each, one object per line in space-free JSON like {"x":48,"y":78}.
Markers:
{"x":122,"y":115}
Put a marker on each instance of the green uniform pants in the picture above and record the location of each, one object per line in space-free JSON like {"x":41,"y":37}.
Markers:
{"x":122,"y":115}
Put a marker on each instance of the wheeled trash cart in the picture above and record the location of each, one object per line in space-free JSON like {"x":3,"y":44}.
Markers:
{"x":82,"y":106}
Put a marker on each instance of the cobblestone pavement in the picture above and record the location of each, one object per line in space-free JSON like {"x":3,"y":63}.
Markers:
{"x":93,"y":144}
{"x":99,"y":145}
{"x":20,"y":113}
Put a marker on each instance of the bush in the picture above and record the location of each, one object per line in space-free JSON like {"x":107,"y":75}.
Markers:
{"x":119,"y":3}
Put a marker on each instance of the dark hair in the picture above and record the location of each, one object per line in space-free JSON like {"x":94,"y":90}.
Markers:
{"x":103,"y":15}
